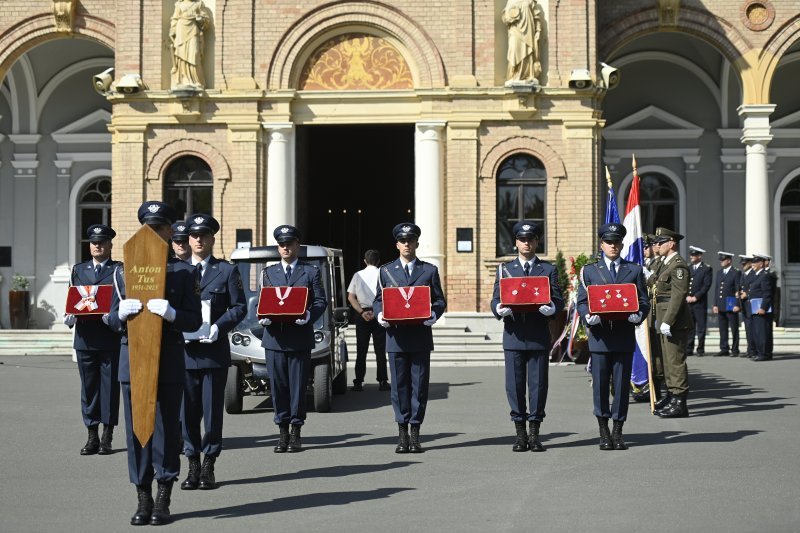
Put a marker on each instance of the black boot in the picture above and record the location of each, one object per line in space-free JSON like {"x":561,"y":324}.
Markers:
{"x":92,"y":445}
{"x":413,"y":445}
{"x":521,"y":444}
{"x":294,"y":439}
{"x":283,"y":440}
{"x":677,"y":409}
{"x":161,"y":514}
{"x":402,"y":444}
{"x":105,"y":441}
{"x":663,"y":402}
{"x":533,"y":440}
{"x":193,"y":478}
{"x":605,"y":435}
{"x":616,"y":436}
{"x":207,"y":481}
{"x":142,"y":515}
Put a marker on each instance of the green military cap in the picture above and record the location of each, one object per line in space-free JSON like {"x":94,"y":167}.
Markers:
{"x":664,"y":235}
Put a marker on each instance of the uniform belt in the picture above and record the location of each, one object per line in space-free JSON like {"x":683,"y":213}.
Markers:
{"x":662,"y":299}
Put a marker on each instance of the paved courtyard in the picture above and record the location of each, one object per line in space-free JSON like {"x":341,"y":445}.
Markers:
{"x":732,"y":466}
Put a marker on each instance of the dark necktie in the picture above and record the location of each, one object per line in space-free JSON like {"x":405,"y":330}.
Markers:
{"x":408,"y":272}
{"x":613,"y":271}
{"x":288,"y":273}
{"x":199,"y":268}
{"x":527,"y":268}
{"x":97,"y":269}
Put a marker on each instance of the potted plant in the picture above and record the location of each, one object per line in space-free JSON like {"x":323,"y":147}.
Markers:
{"x":19,"y":302}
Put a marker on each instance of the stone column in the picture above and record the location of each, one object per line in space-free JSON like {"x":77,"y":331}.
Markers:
{"x":281,"y":182}
{"x":756,"y":135}
{"x":428,"y":178}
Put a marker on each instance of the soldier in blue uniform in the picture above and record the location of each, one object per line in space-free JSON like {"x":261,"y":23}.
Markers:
{"x":97,"y":347}
{"x":526,"y":338}
{"x":727,"y":304}
{"x":288,"y":345}
{"x":180,"y":241}
{"x":762,"y":287}
{"x":699,"y":285}
{"x":159,"y":458}
{"x":409,"y":346}
{"x":611,"y":343}
{"x":208,"y":356}
{"x":748,"y":273}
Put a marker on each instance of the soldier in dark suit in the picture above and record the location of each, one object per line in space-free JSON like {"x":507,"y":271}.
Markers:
{"x":611,"y":342}
{"x":180,"y":241}
{"x":674,"y":321}
{"x":97,"y":347}
{"x":727,"y":304}
{"x":748,"y":272}
{"x":699,"y":284}
{"x":288,"y":345}
{"x":776,"y":301}
{"x":208,"y":355}
{"x":159,"y":458}
{"x":762,"y":287}
{"x":409,"y":346}
{"x":526,"y":338}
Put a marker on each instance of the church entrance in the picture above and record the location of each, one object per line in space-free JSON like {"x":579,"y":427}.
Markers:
{"x":354,"y":184}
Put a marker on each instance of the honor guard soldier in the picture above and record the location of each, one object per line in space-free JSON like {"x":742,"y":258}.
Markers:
{"x":748,"y":273}
{"x":699,"y":285}
{"x":761,"y":299}
{"x":208,"y":354}
{"x":727,"y":304}
{"x":159,"y":458}
{"x":776,"y":301}
{"x":526,"y":338}
{"x":180,"y":241}
{"x":409,"y":346}
{"x":288,"y":345}
{"x":611,"y":342}
{"x":674,"y":321}
{"x":652,"y":268}
{"x":97,"y":347}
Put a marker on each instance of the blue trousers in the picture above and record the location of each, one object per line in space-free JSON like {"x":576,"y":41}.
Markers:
{"x":160,"y":456}
{"x":728,"y":320}
{"x":529,"y":366}
{"x":99,"y":386}
{"x":762,"y":334}
{"x":203,"y":398}
{"x":288,"y":379}
{"x":604,"y":365}
{"x":410,"y":378}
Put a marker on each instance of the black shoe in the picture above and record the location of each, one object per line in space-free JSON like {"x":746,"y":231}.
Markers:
{"x":616,"y":436}
{"x":605,"y":435}
{"x":145,"y":508}
{"x":735,"y":353}
{"x":402,"y":444}
{"x":192,"y":480}
{"x":722,"y":353}
{"x":92,"y":445}
{"x":105,"y":441}
{"x":760,"y":358}
{"x":533,"y":439}
{"x":357,"y":386}
{"x":521,"y":444}
{"x":677,"y":409}
{"x":384,"y":385}
{"x":663,"y":402}
{"x":413,"y":444}
{"x":207,"y":481}
{"x":283,"y":439}
{"x":701,"y":352}
{"x":294,"y":439}
{"x":161,"y":514}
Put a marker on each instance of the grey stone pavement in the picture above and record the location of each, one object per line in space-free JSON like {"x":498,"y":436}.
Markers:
{"x":732,"y":466}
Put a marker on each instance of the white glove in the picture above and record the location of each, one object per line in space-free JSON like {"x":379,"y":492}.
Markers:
{"x":213,"y":334}
{"x":265,"y":321}
{"x":635,"y":318}
{"x":647,"y":272}
{"x":303,"y":321}
{"x":431,"y":321}
{"x":381,"y":321}
{"x":104,"y":318}
{"x":665,"y":329}
{"x":547,"y":309}
{"x":69,"y":320}
{"x":592,"y":320}
{"x":161,"y":307}
{"x":503,"y":311}
{"x":128,"y":307}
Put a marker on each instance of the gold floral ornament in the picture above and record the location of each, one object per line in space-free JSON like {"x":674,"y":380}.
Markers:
{"x":356,"y":62}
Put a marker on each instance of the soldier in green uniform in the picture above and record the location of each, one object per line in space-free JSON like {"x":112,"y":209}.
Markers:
{"x":652,"y":264}
{"x":674,"y":320}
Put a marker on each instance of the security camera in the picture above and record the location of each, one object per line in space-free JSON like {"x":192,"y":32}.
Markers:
{"x":102,"y":81}
{"x":610,"y":76}
{"x":580,"y":79}
{"x":130,"y":84}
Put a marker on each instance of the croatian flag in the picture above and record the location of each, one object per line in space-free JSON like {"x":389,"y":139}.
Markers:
{"x":633,"y":251}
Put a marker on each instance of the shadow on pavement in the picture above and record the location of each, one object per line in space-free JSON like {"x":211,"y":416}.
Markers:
{"x":388,"y":440}
{"x":665,"y":437}
{"x":505,"y":440}
{"x":724,"y":395}
{"x":327,"y":472}
{"x":260,"y":441}
{"x":293,"y":503}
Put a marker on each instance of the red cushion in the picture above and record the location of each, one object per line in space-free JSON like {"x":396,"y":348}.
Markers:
{"x":406,"y":305}
{"x":89,"y":301}
{"x":526,"y":293}
{"x":614,"y":301}
{"x":282,"y":304}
